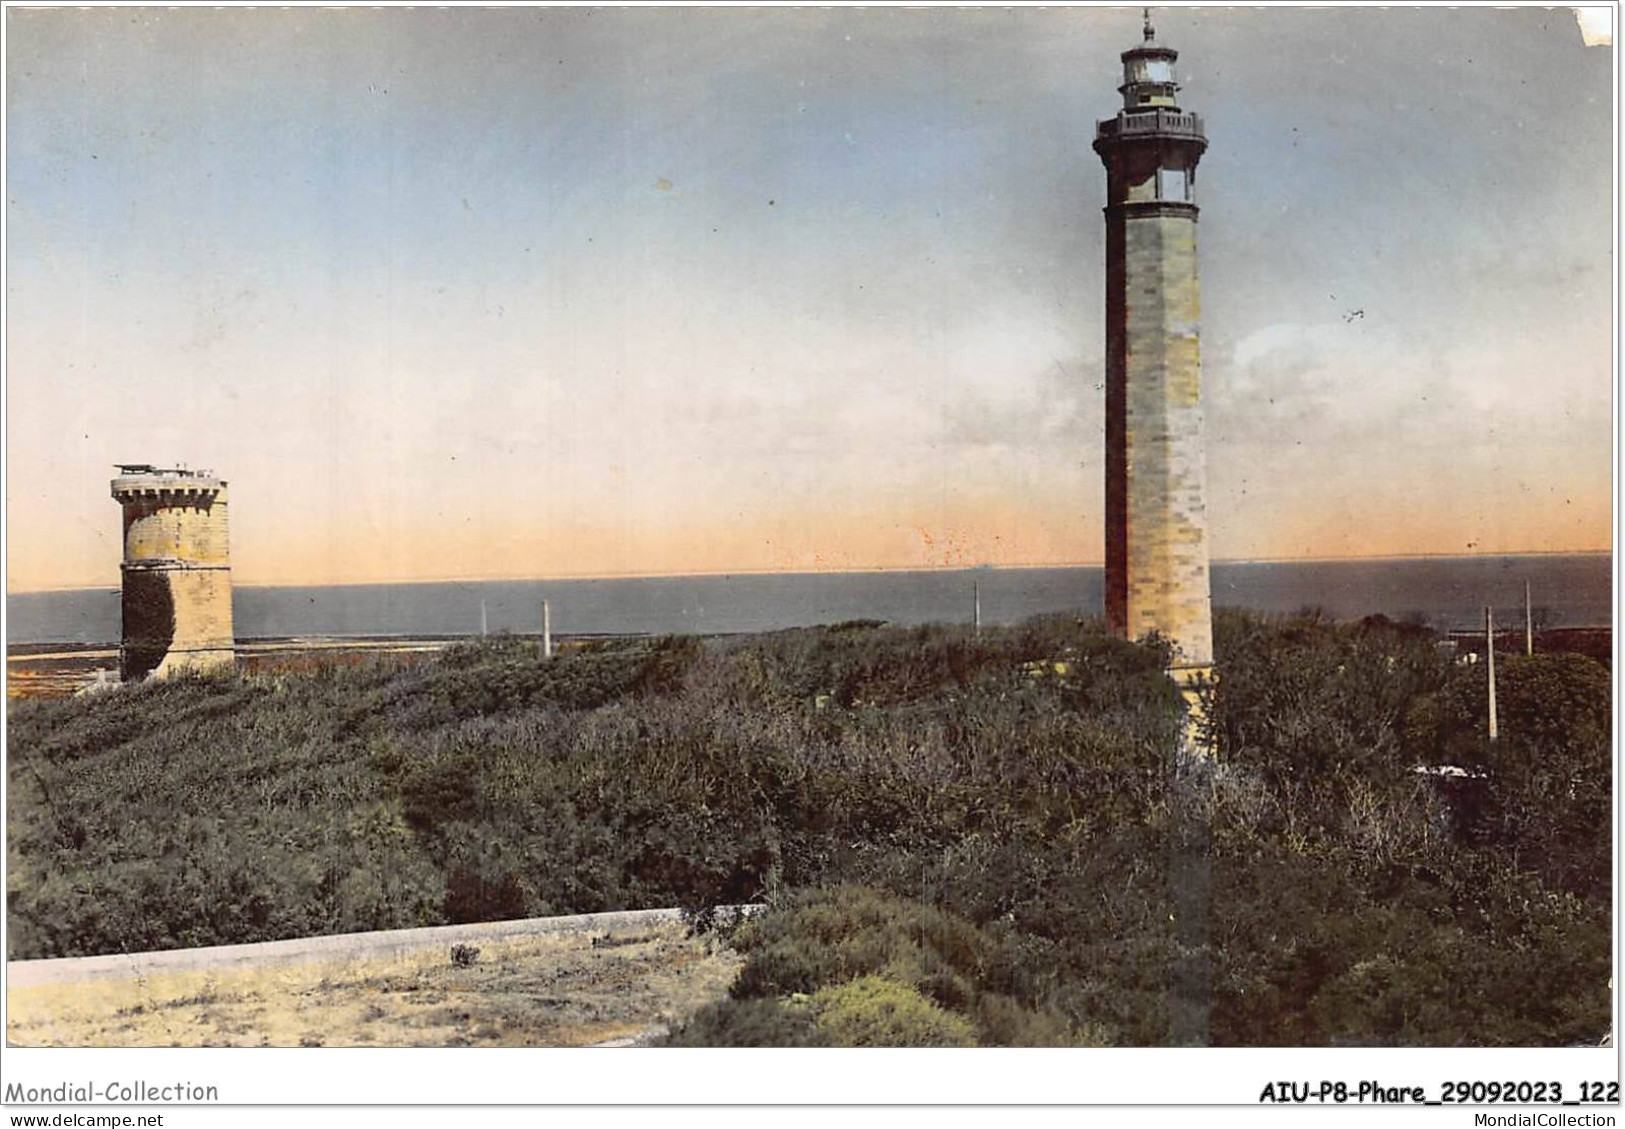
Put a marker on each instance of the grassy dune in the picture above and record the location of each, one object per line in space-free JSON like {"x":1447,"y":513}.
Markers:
{"x":962,"y":839}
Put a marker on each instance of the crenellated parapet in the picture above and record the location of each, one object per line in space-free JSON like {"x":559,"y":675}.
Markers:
{"x":129,"y":488}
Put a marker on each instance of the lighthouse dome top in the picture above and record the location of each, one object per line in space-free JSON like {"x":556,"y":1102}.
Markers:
{"x":1148,"y":72}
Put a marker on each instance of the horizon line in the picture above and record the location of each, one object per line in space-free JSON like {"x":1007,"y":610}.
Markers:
{"x":862,"y":570}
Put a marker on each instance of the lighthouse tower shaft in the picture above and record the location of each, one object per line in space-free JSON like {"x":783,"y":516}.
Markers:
{"x":1156,"y":482}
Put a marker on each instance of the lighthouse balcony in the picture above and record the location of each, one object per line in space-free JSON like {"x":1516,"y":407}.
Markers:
{"x":1166,"y":123}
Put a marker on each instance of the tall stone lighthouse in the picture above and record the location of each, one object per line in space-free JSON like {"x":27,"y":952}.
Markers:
{"x":177,"y":572}
{"x":1156,"y":481}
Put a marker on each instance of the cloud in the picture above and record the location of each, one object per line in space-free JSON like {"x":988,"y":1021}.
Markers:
{"x":1298,"y":385}
{"x":1062,"y":405}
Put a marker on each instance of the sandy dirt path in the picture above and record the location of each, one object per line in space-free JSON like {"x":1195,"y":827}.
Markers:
{"x":619,"y":983}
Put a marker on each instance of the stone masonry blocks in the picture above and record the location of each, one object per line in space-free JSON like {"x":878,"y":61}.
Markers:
{"x":1157,"y":557}
{"x":176,"y":598}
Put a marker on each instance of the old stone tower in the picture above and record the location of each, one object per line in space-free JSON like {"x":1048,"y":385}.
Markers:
{"x":177,"y":572}
{"x":1156,"y":509}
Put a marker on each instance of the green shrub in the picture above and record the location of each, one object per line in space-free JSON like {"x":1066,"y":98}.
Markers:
{"x":750,"y":1023}
{"x":822,"y":939}
{"x":873,"y":1011}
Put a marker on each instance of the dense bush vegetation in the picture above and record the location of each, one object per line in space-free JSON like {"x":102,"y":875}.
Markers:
{"x":850,"y":966}
{"x":959,"y":839}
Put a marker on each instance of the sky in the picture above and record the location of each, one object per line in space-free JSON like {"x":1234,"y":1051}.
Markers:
{"x":553,"y":292}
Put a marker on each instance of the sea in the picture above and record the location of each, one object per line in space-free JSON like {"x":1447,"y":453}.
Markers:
{"x":1568,"y":590}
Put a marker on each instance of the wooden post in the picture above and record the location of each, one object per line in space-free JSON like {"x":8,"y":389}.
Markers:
{"x":547,"y":631}
{"x":1489,"y":640}
{"x":976,"y":606}
{"x":484,"y":624}
{"x":1528,"y":622}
